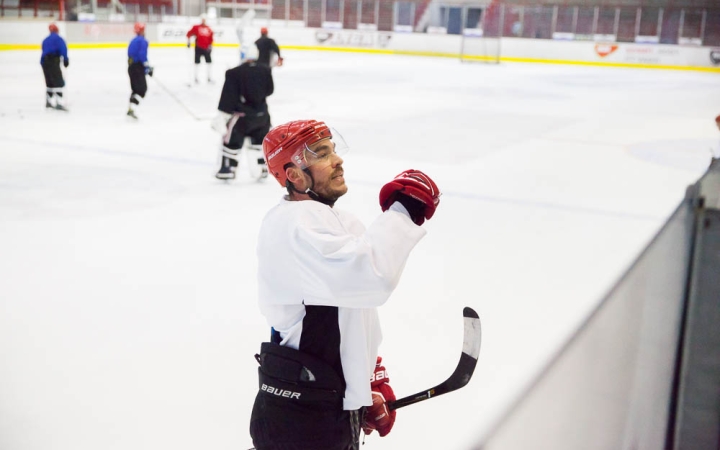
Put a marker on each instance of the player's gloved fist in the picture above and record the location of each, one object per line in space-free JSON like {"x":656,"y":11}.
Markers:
{"x":279,"y":62}
{"x":209,"y":48}
{"x":378,"y":416}
{"x":417,"y":192}
{"x":66,"y":62}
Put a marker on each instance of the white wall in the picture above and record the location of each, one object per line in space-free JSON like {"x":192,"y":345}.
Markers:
{"x":26,"y":32}
{"x":16,"y":34}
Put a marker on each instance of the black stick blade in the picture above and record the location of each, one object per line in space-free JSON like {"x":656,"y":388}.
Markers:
{"x":469,"y":312}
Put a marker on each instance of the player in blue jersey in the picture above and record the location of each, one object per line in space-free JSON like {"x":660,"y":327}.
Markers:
{"x":54,"y":48}
{"x":138,"y":67}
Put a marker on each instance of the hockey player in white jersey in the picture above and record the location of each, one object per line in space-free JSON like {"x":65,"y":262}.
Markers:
{"x":321,"y":277}
{"x":242,"y":24}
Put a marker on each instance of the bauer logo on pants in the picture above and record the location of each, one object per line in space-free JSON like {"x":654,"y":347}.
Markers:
{"x":280,"y":392}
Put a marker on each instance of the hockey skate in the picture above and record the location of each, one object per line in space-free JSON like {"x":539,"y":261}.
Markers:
{"x":48,"y":104}
{"x":227,"y":168}
{"x":131,"y":114}
{"x":60,"y":107}
{"x":225,"y":173}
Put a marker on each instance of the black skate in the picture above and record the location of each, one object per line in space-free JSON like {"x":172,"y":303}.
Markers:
{"x":61,"y":108}
{"x":225,"y":173}
{"x":131,"y":113}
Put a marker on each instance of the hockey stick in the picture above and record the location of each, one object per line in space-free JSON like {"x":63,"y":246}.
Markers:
{"x":463,"y":371}
{"x":192,"y":68}
{"x":177,"y":100}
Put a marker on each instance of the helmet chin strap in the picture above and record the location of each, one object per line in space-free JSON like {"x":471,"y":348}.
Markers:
{"x":312,"y":194}
{"x":319,"y":198}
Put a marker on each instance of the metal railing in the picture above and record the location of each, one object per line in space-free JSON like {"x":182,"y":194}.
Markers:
{"x":651,"y":24}
{"x":684,"y":26}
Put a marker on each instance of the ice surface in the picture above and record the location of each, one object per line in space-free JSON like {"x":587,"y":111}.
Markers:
{"x":128,"y":315}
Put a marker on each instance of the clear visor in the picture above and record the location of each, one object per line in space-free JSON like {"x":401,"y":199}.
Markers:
{"x":321,"y":152}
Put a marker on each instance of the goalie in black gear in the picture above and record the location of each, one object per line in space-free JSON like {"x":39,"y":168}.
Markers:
{"x":244,"y":113}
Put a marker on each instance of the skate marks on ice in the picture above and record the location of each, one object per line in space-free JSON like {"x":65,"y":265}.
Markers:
{"x":61,"y":192}
{"x":687,"y":154}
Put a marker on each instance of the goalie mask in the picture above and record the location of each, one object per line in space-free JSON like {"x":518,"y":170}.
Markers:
{"x":291,"y":143}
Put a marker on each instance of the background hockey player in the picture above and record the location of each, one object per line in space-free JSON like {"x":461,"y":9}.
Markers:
{"x":138,"y":67}
{"x":54,"y":48}
{"x":203,"y":47}
{"x":244,"y":113}
{"x":268,"y":48}
{"x":321,"y":277}
{"x":242,"y":24}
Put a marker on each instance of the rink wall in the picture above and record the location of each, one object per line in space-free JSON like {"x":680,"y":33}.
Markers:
{"x":643,"y":371}
{"x":27,"y":35}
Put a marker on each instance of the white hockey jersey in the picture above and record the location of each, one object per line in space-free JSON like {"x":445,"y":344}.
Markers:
{"x":322,"y":275}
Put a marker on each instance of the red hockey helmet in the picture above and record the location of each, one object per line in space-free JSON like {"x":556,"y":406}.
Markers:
{"x":289,"y":143}
{"x":53,"y":28}
{"x":263,"y":31}
{"x":139,"y":27}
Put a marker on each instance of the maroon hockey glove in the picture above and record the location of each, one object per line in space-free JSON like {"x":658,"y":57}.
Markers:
{"x":417,"y":192}
{"x":378,"y":416}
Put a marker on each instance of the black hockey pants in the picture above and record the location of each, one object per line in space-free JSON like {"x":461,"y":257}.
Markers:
{"x":52,"y":72}
{"x":254,"y":125}
{"x":138,"y":83}
{"x":299,"y":404}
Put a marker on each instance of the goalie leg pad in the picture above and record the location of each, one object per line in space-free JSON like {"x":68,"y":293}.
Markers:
{"x":231,"y":153}
{"x":256,"y":161}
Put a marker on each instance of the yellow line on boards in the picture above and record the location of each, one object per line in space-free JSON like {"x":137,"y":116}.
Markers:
{"x":105,"y":45}
{"x":5,"y":47}
{"x":609,"y":64}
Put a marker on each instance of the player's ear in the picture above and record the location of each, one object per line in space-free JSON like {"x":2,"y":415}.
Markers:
{"x":296,"y":176}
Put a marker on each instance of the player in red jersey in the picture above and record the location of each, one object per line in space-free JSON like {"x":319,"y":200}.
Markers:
{"x":203,"y":46}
